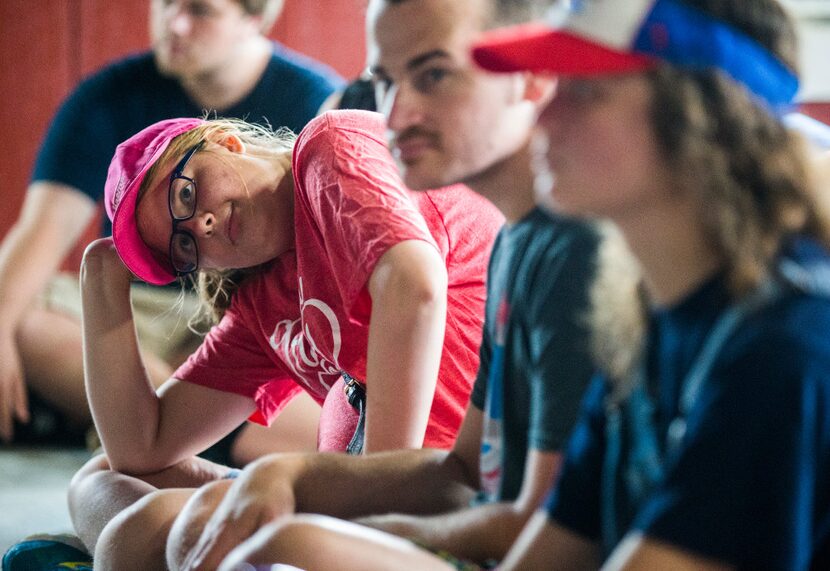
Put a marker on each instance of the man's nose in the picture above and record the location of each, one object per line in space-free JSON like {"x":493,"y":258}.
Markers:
{"x":402,"y":106}
{"x":179,"y":19}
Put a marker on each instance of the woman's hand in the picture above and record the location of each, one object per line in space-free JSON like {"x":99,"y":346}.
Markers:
{"x":102,"y":263}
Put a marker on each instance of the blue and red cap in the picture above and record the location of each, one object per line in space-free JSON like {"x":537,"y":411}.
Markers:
{"x":599,"y":37}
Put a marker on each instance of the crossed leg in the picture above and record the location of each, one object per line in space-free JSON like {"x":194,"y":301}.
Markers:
{"x":125,"y":521}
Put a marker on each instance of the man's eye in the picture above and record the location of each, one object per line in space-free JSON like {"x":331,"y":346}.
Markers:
{"x":430,"y":78}
{"x":200,"y":10}
{"x":580,"y":90}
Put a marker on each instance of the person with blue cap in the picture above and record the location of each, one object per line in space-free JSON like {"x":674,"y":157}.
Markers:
{"x":712,"y":452}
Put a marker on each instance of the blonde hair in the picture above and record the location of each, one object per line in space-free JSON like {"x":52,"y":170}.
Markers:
{"x":617,"y":312}
{"x":216,"y":287}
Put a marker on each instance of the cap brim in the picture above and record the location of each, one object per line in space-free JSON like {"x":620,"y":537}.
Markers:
{"x":538,"y":48}
{"x":136,"y":255}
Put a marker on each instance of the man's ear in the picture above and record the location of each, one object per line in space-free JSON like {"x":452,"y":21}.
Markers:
{"x":231,"y":142}
{"x":259,"y":27}
{"x":539,"y":88}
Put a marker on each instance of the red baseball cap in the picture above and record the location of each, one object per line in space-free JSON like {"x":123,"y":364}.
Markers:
{"x":132,"y":159}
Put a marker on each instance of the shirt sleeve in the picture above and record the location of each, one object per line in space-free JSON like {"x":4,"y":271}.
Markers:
{"x":357,"y":202}
{"x":231,"y":359}
{"x":478,"y":396}
{"x":746,"y":483}
{"x":561,"y":361}
{"x":80,"y":141}
{"x":574,"y":502}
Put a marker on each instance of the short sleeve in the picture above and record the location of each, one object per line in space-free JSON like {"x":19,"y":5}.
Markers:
{"x":559,"y":337}
{"x":231,"y":359}
{"x":80,"y":141}
{"x":354,"y":197}
{"x":485,"y":351}
{"x":479,"y":394}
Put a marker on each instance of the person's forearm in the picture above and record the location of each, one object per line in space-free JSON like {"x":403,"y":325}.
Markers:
{"x":48,"y":227}
{"x":479,"y":533}
{"x":486,"y":531}
{"x":123,"y":402}
{"x":409,"y":301}
{"x":412,"y":481}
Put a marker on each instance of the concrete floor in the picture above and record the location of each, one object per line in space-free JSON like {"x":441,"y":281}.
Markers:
{"x":33,"y":485}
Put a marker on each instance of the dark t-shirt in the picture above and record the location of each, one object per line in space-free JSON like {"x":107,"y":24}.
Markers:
{"x":535,"y":344}
{"x":750,"y":482}
{"x":359,"y":94}
{"x":123,"y":98}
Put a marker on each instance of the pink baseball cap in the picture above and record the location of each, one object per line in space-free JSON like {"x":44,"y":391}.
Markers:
{"x":600,"y":37}
{"x":132,"y":159}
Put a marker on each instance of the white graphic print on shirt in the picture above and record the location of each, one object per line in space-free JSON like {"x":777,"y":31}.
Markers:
{"x":293,"y":341}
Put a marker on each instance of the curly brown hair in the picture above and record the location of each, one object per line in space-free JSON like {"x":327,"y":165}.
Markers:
{"x":755,"y":184}
{"x":752,"y":174}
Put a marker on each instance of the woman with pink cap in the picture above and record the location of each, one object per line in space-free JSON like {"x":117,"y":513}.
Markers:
{"x":324,"y":274}
{"x":713,"y":450}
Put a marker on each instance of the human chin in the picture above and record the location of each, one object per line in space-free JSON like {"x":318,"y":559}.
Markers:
{"x":415,"y":177}
{"x":170,"y":64}
{"x":162,"y":58}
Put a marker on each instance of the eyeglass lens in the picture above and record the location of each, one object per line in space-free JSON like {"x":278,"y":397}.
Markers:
{"x":181,"y":196}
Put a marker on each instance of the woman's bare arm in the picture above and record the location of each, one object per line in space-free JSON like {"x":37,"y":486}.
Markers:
{"x":141,"y":432}
{"x":409,"y":303}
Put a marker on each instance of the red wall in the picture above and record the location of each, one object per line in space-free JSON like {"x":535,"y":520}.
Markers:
{"x":820,"y":111}
{"x":47,"y":46}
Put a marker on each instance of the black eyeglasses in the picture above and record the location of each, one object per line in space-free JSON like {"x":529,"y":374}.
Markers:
{"x":181,"y":201}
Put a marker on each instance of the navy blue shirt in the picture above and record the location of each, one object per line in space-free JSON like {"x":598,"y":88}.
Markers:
{"x":750,"y":483}
{"x":123,"y":98}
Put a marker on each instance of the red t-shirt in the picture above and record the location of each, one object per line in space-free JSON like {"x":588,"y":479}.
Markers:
{"x":305,"y":320}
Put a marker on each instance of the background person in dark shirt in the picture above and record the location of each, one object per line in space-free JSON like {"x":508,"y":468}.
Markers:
{"x":208,"y":56}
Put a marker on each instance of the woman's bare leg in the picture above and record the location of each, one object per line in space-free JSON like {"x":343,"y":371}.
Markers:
{"x":107,"y":507}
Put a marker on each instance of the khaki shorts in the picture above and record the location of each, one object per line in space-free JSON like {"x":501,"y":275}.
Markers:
{"x":160,"y":314}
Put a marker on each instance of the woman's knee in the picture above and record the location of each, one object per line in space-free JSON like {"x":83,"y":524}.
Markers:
{"x":137,"y":537}
{"x":80,"y":486}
